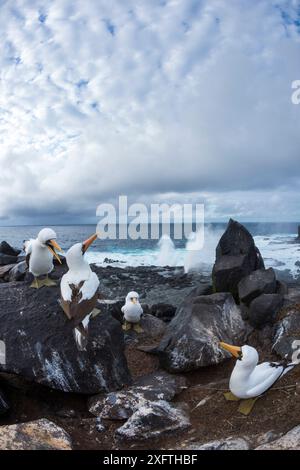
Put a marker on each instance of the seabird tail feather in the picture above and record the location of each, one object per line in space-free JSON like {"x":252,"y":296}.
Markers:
{"x":81,"y":339}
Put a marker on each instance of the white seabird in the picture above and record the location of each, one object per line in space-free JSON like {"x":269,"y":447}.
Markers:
{"x":79,"y":290}
{"x":249,"y":380}
{"x":39,"y":256}
{"x":132,"y":311}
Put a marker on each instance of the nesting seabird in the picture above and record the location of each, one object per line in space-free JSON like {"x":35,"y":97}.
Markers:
{"x":249,"y":380}
{"x":79,"y":290}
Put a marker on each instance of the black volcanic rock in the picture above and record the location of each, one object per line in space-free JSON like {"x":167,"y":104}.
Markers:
{"x":236,"y":257}
{"x":163,"y":311}
{"x":192,"y":338}
{"x":7,"y":259}
{"x":122,"y":404}
{"x":261,"y":281}
{"x":154,"y":420}
{"x":40,"y":345}
{"x":264,"y":309}
{"x":6,"y":249}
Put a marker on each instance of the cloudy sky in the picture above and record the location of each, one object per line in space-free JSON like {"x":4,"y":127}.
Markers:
{"x":160,"y":100}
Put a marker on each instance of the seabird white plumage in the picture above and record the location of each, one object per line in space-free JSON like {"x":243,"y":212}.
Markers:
{"x":250,"y":380}
{"x":79,"y":290}
{"x":132,"y":311}
{"x":39,"y":255}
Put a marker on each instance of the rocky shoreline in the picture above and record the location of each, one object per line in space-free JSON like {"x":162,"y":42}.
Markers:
{"x":145,"y":391}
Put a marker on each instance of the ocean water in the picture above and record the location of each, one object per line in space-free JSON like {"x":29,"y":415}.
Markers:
{"x":275,"y":241}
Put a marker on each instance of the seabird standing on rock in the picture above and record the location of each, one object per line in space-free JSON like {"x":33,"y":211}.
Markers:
{"x":132,"y":312}
{"x":39,"y":257}
{"x":79,"y":291}
{"x":249,"y":380}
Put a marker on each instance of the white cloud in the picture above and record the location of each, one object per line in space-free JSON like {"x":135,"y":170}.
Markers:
{"x":147,"y":97}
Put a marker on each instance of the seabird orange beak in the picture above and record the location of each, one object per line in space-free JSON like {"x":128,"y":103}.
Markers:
{"x":88,"y":242}
{"x":234,"y":350}
{"x":51,"y":245}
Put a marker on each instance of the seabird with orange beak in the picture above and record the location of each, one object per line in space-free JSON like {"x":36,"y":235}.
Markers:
{"x":79,"y":291}
{"x":39,"y":257}
{"x":249,"y":380}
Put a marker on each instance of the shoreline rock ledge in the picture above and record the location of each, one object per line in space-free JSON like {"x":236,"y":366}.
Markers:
{"x":40,"y":345}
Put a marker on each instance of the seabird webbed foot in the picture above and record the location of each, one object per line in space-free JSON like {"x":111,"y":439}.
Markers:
{"x":137,"y":328}
{"x":246,"y":406}
{"x":126,"y":326}
{"x":36,"y":283}
{"x":48,"y":282}
{"x":230,"y":397}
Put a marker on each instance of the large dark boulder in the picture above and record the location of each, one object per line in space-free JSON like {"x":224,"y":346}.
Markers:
{"x":122,"y":404}
{"x":40,"y":345}
{"x":192,"y":338}
{"x":264,"y":309}
{"x":6,"y":249}
{"x":154,"y":420}
{"x":7,"y":259}
{"x":236,"y":257}
{"x":261,"y":281}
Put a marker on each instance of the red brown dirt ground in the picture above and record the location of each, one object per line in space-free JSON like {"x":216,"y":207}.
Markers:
{"x":278,"y":410}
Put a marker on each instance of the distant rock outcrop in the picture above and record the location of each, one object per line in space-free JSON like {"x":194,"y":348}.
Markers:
{"x":236,"y":257}
{"x":40,"y":345}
